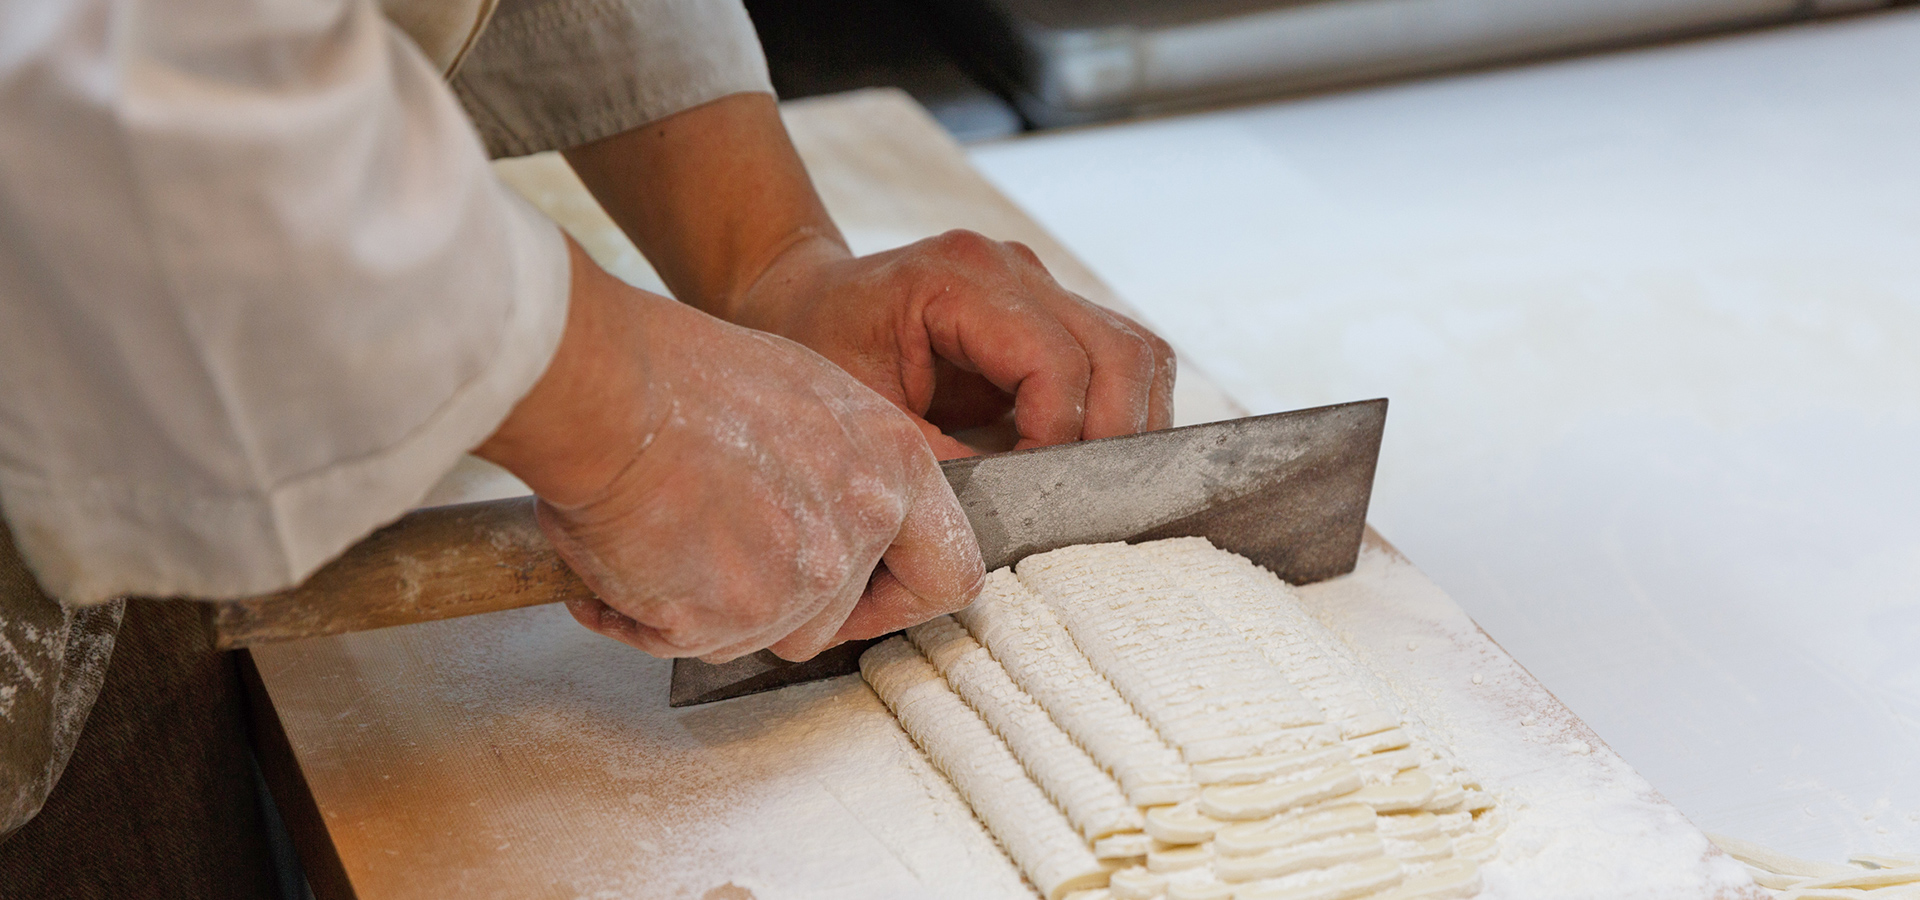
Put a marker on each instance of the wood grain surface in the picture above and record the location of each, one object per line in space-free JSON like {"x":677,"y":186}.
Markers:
{"x":433,"y":564}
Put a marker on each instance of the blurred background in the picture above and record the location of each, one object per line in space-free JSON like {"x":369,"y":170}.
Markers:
{"x":992,"y":68}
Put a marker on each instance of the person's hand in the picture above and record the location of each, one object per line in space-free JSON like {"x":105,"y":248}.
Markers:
{"x":724,"y":490}
{"x":959,"y":329}
{"x":955,"y":329}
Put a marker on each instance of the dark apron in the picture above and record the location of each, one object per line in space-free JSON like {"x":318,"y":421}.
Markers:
{"x":157,"y":798}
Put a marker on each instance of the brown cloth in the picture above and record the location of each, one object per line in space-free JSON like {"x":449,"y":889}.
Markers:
{"x":52,"y":661}
{"x":158,"y":800}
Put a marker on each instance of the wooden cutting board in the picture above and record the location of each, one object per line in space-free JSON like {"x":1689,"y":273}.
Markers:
{"x":516,"y":755}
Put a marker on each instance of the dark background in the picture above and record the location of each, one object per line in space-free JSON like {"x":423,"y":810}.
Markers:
{"x":828,"y":46}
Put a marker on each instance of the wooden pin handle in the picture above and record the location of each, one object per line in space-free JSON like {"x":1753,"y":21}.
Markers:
{"x":432,"y":564}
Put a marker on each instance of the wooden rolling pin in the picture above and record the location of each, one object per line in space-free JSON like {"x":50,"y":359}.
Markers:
{"x":432,"y":564}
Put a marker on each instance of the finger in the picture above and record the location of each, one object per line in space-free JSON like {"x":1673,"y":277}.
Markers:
{"x":819,"y":632}
{"x":944,"y":446}
{"x":933,"y":567}
{"x":1131,"y":385}
{"x":1025,"y":351}
{"x":673,"y":642}
{"x":887,"y":606}
{"x":816,"y":630}
{"x":1166,"y":367}
{"x":596,"y":616}
{"x":1160,"y":403}
{"x":965,"y":399}
{"x":1123,"y":365}
{"x":670,"y":633}
{"x":811,"y":617}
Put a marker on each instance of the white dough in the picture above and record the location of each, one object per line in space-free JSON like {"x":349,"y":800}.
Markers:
{"x":1041,"y":841}
{"x":1340,"y":882}
{"x":1265,"y":610}
{"x":1319,"y":854}
{"x":1248,"y":769}
{"x":1181,"y":824}
{"x":1408,"y":791}
{"x":1262,"y":609}
{"x":1867,"y":879}
{"x":1760,"y":857}
{"x":1250,"y":838}
{"x":1171,"y":714}
{"x":1209,"y":691}
{"x":1138,"y":883}
{"x":1258,"y":801}
{"x":1041,"y":658}
{"x":1123,"y":846}
{"x":1452,"y":880}
{"x":1089,"y":796}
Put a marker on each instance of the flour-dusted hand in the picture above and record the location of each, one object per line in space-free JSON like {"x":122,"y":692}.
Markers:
{"x":958,"y":329}
{"x":724,"y":490}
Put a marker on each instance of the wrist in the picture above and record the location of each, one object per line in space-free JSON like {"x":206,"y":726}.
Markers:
{"x":772,"y":293}
{"x":595,"y":407}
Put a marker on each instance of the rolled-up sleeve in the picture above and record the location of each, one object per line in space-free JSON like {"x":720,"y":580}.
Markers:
{"x":553,"y":74}
{"x":259,"y":289}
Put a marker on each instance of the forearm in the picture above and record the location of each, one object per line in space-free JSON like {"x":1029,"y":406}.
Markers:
{"x":712,"y":195}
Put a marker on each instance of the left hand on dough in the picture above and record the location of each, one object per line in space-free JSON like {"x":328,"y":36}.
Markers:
{"x":957,"y":329}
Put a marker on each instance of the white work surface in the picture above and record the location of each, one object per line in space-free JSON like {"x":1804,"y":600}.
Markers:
{"x":515,"y":755}
{"x":1650,"y":323}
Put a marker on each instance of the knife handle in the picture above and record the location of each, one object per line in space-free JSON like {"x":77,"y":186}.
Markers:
{"x":431,"y":564}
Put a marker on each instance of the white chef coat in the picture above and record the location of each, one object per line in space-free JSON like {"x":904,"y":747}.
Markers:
{"x":259,"y":288}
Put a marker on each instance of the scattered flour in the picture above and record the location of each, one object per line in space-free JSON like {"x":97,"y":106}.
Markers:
{"x":534,"y":752}
{"x":1581,"y":823}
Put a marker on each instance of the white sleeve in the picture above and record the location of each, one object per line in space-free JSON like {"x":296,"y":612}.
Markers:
{"x":555,"y":74}
{"x":258,"y":289}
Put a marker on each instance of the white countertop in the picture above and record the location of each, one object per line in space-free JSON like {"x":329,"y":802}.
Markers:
{"x":1650,"y":323}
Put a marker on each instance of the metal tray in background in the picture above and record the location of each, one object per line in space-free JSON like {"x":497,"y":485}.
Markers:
{"x":1067,"y":62}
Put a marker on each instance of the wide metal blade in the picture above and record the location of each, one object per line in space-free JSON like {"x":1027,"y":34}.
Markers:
{"x":1288,"y":491}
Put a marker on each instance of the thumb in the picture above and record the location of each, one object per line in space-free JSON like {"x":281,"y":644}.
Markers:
{"x":944,"y":446}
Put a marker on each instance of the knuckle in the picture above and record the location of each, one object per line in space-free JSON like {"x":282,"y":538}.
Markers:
{"x":873,"y":504}
{"x":756,"y":610}
{"x":1077,"y":363}
{"x":1139,"y":352}
{"x":1026,"y":254}
{"x":660,"y":645}
{"x":672,"y":625}
{"x":587,"y":611}
{"x":796,"y":652}
{"x":1162,"y":351}
{"x":822,"y":567}
{"x":966,"y":245}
